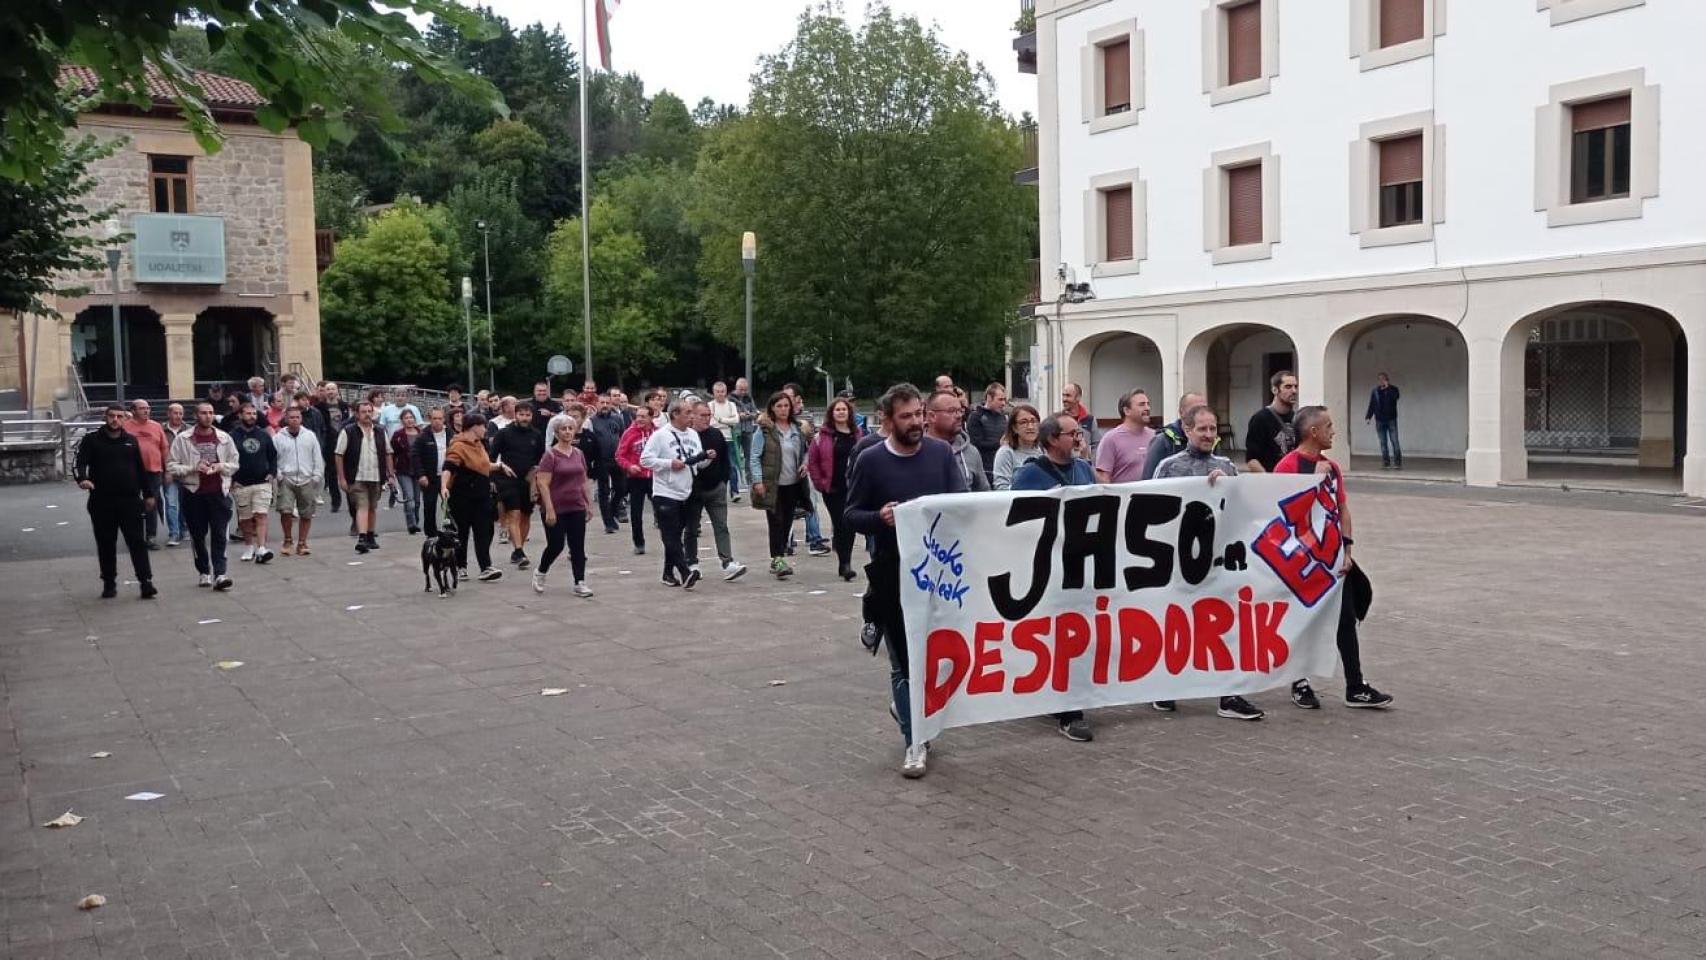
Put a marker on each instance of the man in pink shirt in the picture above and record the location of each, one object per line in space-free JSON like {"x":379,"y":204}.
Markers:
{"x":151,"y":438}
{"x":1120,"y":456}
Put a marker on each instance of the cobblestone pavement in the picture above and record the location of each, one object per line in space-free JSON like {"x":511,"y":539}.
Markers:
{"x":381,"y":777}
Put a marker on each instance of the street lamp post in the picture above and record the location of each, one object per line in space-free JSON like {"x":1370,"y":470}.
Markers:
{"x":491,"y":332}
{"x":113,"y":254}
{"x":749,"y":261}
{"x":468,"y":321}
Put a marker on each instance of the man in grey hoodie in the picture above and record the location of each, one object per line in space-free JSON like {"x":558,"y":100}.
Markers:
{"x":946,"y":416}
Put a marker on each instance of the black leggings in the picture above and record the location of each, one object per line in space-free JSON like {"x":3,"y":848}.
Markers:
{"x":836,"y":502}
{"x":570,"y":529}
{"x":473,"y":516}
{"x":1350,"y":648}
{"x":639,"y":488}
{"x":780,"y":516}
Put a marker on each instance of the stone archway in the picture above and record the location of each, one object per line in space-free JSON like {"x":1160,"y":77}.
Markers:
{"x":144,"y":343}
{"x":1111,"y":364}
{"x":233,"y":344}
{"x":1232,"y":365}
{"x":1427,"y":358}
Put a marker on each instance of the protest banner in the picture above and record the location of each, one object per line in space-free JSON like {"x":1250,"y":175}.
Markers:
{"x":1025,"y":604}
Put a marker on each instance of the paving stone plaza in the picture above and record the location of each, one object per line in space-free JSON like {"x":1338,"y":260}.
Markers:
{"x":382,"y":778}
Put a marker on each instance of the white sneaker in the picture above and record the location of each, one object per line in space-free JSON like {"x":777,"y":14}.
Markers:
{"x":206,"y":580}
{"x":582,"y":590}
{"x":249,"y":554}
{"x":733,"y":570}
{"x":538,"y":581}
{"x":917,"y":758}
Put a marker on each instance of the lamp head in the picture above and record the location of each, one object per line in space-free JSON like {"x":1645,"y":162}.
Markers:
{"x":749,"y":247}
{"x":467,"y":288}
{"x":113,"y":228}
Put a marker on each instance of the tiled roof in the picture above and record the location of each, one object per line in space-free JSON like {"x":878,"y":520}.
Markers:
{"x":219,"y":91}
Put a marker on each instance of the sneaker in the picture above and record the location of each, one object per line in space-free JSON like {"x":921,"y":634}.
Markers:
{"x":285,"y":547}
{"x":1238,"y":708}
{"x":206,"y":580}
{"x":149,"y":591}
{"x":173,"y":542}
{"x":1077,"y":731}
{"x":413,"y":531}
{"x":490,"y":574}
{"x":538,"y":581}
{"x":222,"y":583}
{"x":153,"y":544}
{"x":248,"y":555}
{"x":361,"y":545}
{"x":263,"y":555}
{"x":373,"y":541}
{"x":462,"y":575}
{"x":734,"y":570}
{"x":1367,"y":697}
{"x":610,"y":530}
{"x":692,"y":580}
{"x":917,"y":759}
{"x":870,"y":637}
{"x":523,"y":563}
{"x":818,"y":549}
{"x":109,"y":590}
{"x":503,"y":535}
{"x":669,"y":580}
{"x":583,"y":591}
{"x":734,"y":498}
{"x":1165,"y":706}
{"x":639,"y":550}
{"x":780,"y":568}
{"x":516,"y":557}
{"x":302,"y":549}
{"x":1303,"y":695}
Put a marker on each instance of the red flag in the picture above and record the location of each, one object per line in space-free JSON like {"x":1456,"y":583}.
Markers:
{"x":606,"y":8}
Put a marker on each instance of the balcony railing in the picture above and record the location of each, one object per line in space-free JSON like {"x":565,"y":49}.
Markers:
{"x":1034,"y":292}
{"x":325,"y":241}
{"x":1027,"y":172}
{"x":1026,"y":43}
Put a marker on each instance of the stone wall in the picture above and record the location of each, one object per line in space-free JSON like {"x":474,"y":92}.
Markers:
{"x":29,"y":463}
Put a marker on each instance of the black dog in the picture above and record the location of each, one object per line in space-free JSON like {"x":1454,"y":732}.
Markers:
{"x":438,"y":560}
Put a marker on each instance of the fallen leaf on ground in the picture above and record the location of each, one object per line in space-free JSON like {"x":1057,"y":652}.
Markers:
{"x":145,"y":795}
{"x":99,"y":755}
{"x":208,"y":622}
{"x":778,"y":683}
{"x":91,"y":901}
{"x":553,"y":691}
{"x":66,"y":819}
{"x":229,"y":664}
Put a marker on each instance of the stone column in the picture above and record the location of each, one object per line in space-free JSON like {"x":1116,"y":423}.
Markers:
{"x":1694,"y":460}
{"x":1497,"y":452}
{"x":180,"y":354}
{"x":1657,"y":446}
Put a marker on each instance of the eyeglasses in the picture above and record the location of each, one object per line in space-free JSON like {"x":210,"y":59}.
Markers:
{"x":1072,"y":433}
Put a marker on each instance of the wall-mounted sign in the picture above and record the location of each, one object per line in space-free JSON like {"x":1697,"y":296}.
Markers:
{"x":178,"y":248}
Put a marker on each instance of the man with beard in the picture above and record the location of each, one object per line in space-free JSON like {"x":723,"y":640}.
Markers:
{"x":515,"y":452}
{"x":251,"y":486}
{"x":109,"y":466}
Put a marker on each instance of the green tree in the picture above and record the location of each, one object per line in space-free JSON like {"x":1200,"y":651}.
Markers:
{"x":517,"y":261}
{"x":628,"y":335}
{"x":290,"y":50}
{"x":876,"y":170}
{"x":386,"y":304}
{"x":338,"y":199}
{"x":47,"y":229}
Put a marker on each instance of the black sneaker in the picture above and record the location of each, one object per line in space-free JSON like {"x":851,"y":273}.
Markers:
{"x":361,"y":545}
{"x":149,"y":591}
{"x":1367,"y":697}
{"x":1238,"y":708}
{"x":639,"y":549}
{"x":692,"y":579}
{"x":669,"y":580}
{"x":109,"y":590}
{"x":516,"y":557}
{"x":222,"y":582}
{"x":491,"y":573}
{"x":1303,"y":696}
{"x":870,"y":637}
{"x":818,"y":549}
{"x":373,"y":541}
{"x":1077,"y":730}
{"x":1165,"y":706}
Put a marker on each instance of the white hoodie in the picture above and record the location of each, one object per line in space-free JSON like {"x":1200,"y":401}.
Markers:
{"x":668,"y":444}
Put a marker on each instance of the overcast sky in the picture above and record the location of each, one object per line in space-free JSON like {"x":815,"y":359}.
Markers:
{"x":705,"y":48}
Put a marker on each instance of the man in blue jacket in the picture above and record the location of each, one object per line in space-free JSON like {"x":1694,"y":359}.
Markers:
{"x":1383,"y":413}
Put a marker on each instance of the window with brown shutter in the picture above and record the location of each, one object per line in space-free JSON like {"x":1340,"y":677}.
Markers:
{"x":170,"y":184}
{"x":1401,"y":180}
{"x":1600,"y":149}
{"x":1244,"y":205}
{"x":1400,"y":21}
{"x":1116,"y":77}
{"x":1243,"y":42}
{"x":1116,"y":218}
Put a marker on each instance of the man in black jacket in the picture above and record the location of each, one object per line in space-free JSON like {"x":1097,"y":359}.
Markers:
{"x":429,"y":450}
{"x":109,"y":466}
{"x":515,"y":452}
{"x":334,"y":413}
{"x":607,"y":426}
{"x":987,"y":425}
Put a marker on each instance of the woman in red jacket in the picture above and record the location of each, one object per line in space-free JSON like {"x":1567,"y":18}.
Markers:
{"x":827,"y":463}
{"x":628,"y":458}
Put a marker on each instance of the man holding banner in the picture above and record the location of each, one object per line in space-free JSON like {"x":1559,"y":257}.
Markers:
{"x":902,"y":468}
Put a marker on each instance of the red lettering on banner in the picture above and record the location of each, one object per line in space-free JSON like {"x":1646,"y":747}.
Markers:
{"x":1246,"y":630}
{"x":950,"y":646}
{"x":1178,"y":633}
{"x":1211,"y":617}
{"x":1071,"y":640}
{"x":1272,"y":651}
{"x":1140,"y":644}
{"x":1025,"y":637}
{"x":1307,"y":578}
{"x":1104,"y":641}
{"x":986,"y":673}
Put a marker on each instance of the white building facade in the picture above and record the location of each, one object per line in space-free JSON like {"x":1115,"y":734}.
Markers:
{"x":1495,"y":202}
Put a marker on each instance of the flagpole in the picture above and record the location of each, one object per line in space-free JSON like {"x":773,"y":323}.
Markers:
{"x":586,"y":188}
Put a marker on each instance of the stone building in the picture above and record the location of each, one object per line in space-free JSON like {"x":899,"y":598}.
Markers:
{"x":219,"y":281}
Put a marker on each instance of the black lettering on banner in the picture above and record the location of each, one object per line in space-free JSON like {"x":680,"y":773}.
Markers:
{"x":1080,"y":543}
{"x":1024,"y":510}
{"x":1196,"y":542}
{"x":1144,"y":511}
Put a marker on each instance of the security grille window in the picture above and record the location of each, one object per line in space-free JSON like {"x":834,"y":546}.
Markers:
{"x":1116,"y":77}
{"x":1244,"y":205}
{"x":1600,"y":150}
{"x":1116,"y":207}
{"x":169,"y":178}
{"x":1243,"y":42}
{"x":1401,"y":180}
{"x":1400,"y":21}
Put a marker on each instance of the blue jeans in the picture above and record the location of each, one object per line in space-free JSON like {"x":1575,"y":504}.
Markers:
{"x":1390,"y":451}
{"x":409,"y":492}
{"x":814,"y":533}
{"x":883,"y":591}
{"x":737,"y":452}
{"x":174,"y":511}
